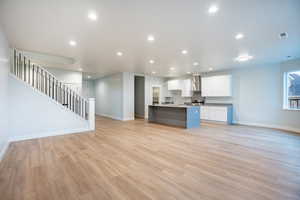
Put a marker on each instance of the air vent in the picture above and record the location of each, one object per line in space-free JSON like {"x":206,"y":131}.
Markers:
{"x":283,"y":35}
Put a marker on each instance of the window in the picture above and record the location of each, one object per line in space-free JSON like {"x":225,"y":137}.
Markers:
{"x":292,"y":90}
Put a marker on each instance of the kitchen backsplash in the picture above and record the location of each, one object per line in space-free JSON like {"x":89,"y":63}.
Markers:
{"x":178,"y":99}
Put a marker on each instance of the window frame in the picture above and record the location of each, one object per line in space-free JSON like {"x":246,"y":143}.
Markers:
{"x":286,"y":105}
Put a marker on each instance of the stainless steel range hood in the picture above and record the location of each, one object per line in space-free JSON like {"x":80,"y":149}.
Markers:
{"x":196,"y":83}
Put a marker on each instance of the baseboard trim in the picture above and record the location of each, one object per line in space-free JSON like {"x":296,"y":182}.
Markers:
{"x":110,"y":116}
{"x":128,"y":119}
{"x":4,"y":149}
{"x":48,"y":134}
{"x":116,"y":118}
{"x":284,"y":128}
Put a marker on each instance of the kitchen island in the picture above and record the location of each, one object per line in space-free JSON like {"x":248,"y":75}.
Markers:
{"x":175,"y":115}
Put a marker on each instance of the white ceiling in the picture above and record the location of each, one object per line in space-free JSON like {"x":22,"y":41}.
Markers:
{"x":123,"y":25}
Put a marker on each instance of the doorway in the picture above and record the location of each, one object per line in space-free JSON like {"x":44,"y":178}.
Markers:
{"x":155,"y":95}
{"x":139,"y":97}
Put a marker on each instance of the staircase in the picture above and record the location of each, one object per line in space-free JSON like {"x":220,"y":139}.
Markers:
{"x":43,"y":81}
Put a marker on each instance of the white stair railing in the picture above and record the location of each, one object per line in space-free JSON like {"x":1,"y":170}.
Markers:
{"x":42,"y":80}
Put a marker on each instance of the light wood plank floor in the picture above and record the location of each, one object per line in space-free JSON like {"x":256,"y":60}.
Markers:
{"x":136,"y":160}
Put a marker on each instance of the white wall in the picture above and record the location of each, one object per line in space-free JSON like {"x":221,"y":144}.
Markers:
{"x":33,"y":114}
{"x":258,"y":96}
{"x":72,"y":78}
{"x":128,"y":96}
{"x":4,"y":70}
{"x":115,"y":96}
{"x":109,"y":96}
{"x":88,"y":88}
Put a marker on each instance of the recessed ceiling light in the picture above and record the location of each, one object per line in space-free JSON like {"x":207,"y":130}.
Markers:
{"x":243,"y":58}
{"x":210,"y":69}
{"x":188,"y":72}
{"x":151,"y":61}
{"x":184,"y":52}
{"x":172,"y":68}
{"x":153,"y":72}
{"x":80,"y":69}
{"x":213,"y":9}
{"x":239,"y":36}
{"x":150,"y":38}
{"x":73,"y":43}
{"x":195,"y":63}
{"x":119,"y":53}
{"x":92,"y":16}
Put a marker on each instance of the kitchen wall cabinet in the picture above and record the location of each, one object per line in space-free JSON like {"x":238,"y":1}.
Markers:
{"x":187,"y":88}
{"x":175,"y":84}
{"x":216,"y":86}
{"x":216,"y":113}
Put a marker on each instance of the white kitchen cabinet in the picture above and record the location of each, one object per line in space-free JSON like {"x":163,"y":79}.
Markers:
{"x":216,"y":86}
{"x":216,"y":113}
{"x":175,"y":84}
{"x":187,"y":88}
{"x":165,"y":91}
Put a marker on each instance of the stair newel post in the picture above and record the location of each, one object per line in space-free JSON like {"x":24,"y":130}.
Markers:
{"x":91,"y":113}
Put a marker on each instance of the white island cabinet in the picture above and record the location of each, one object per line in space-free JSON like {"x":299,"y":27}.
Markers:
{"x":219,"y":113}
